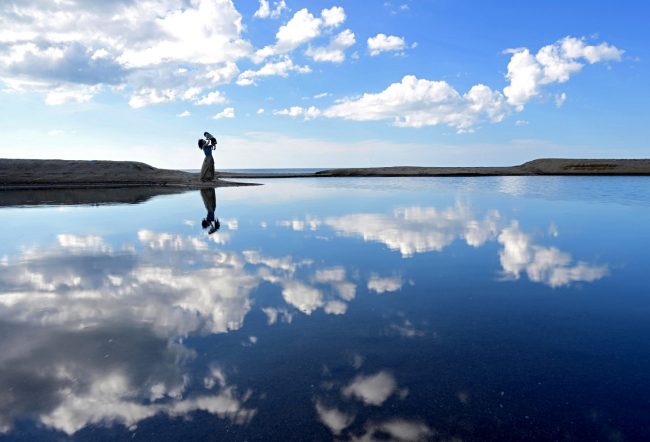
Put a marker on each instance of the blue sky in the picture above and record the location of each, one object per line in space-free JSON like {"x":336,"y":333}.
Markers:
{"x":324,"y":83}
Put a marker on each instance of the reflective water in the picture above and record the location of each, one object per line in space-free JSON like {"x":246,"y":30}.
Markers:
{"x":351,"y":309}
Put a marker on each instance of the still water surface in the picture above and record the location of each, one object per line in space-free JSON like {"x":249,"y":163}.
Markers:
{"x":513,"y":308}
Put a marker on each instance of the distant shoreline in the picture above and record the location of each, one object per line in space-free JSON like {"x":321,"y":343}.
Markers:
{"x":76,"y":174}
{"x":544,"y":166}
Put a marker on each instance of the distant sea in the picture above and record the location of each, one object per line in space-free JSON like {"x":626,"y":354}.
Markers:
{"x":296,"y":170}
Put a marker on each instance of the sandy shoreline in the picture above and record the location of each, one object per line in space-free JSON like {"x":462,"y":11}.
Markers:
{"x":64,"y":174}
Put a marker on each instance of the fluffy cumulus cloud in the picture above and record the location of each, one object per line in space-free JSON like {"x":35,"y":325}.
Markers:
{"x":555,"y":63}
{"x":300,"y":29}
{"x":335,"y":51}
{"x":415,"y":102}
{"x":418,"y":102}
{"x":308,"y":113}
{"x":154,"y":52}
{"x":281,"y":68}
{"x":385,"y":43}
{"x":228,"y":112}
{"x":72,"y":50}
{"x":215,"y":97}
{"x":265,"y":10}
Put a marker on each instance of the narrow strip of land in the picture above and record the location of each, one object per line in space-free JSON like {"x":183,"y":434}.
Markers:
{"x":64,"y":174}
{"x":545,"y":166}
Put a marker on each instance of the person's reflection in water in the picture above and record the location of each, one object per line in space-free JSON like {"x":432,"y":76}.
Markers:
{"x":210,"y":202}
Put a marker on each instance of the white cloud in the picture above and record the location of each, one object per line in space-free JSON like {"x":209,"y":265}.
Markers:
{"x":122,"y":46}
{"x":385,"y":43}
{"x":228,"y":112}
{"x":212,"y":98}
{"x":560,"y":99}
{"x":147,"y":96}
{"x":265,"y":11}
{"x":297,"y":111}
{"x":222,"y":73}
{"x":70,"y":94}
{"x":335,"y":51}
{"x":207,"y":33}
{"x":554,"y":63}
{"x":100,"y":54}
{"x":56,"y":133}
{"x":260,"y":111}
{"x":184,"y":114}
{"x":280,"y":68}
{"x":416,"y":102}
{"x":333,"y":17}
{"x":300,"y":29}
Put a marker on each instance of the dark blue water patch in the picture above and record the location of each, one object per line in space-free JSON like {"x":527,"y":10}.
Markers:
{"x":323,"y":309}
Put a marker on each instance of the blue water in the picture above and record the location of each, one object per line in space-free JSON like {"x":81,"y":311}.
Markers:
{"x":351,"y":309}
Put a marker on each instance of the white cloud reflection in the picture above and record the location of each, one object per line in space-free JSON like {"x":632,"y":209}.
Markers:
{"x":419,"y":229}
{"x":97,"y":329}
{"x":371,"y":389}
{"x":381,"y":285}
{"x":548,"y":265}
{"x":414,"y":230}
{"x":333,"y":418}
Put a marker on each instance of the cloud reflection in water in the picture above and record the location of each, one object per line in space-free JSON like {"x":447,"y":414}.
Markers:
{"x":95,"y":331}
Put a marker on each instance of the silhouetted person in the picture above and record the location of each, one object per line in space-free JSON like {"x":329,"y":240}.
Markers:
{"x":210,"y":202}
{"x":207,"y":170}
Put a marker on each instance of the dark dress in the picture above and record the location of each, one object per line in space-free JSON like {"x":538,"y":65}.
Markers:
{"x":207,"y":169}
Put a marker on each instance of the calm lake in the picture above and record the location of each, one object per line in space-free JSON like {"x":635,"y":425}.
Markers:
{"x":496,"y":308}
